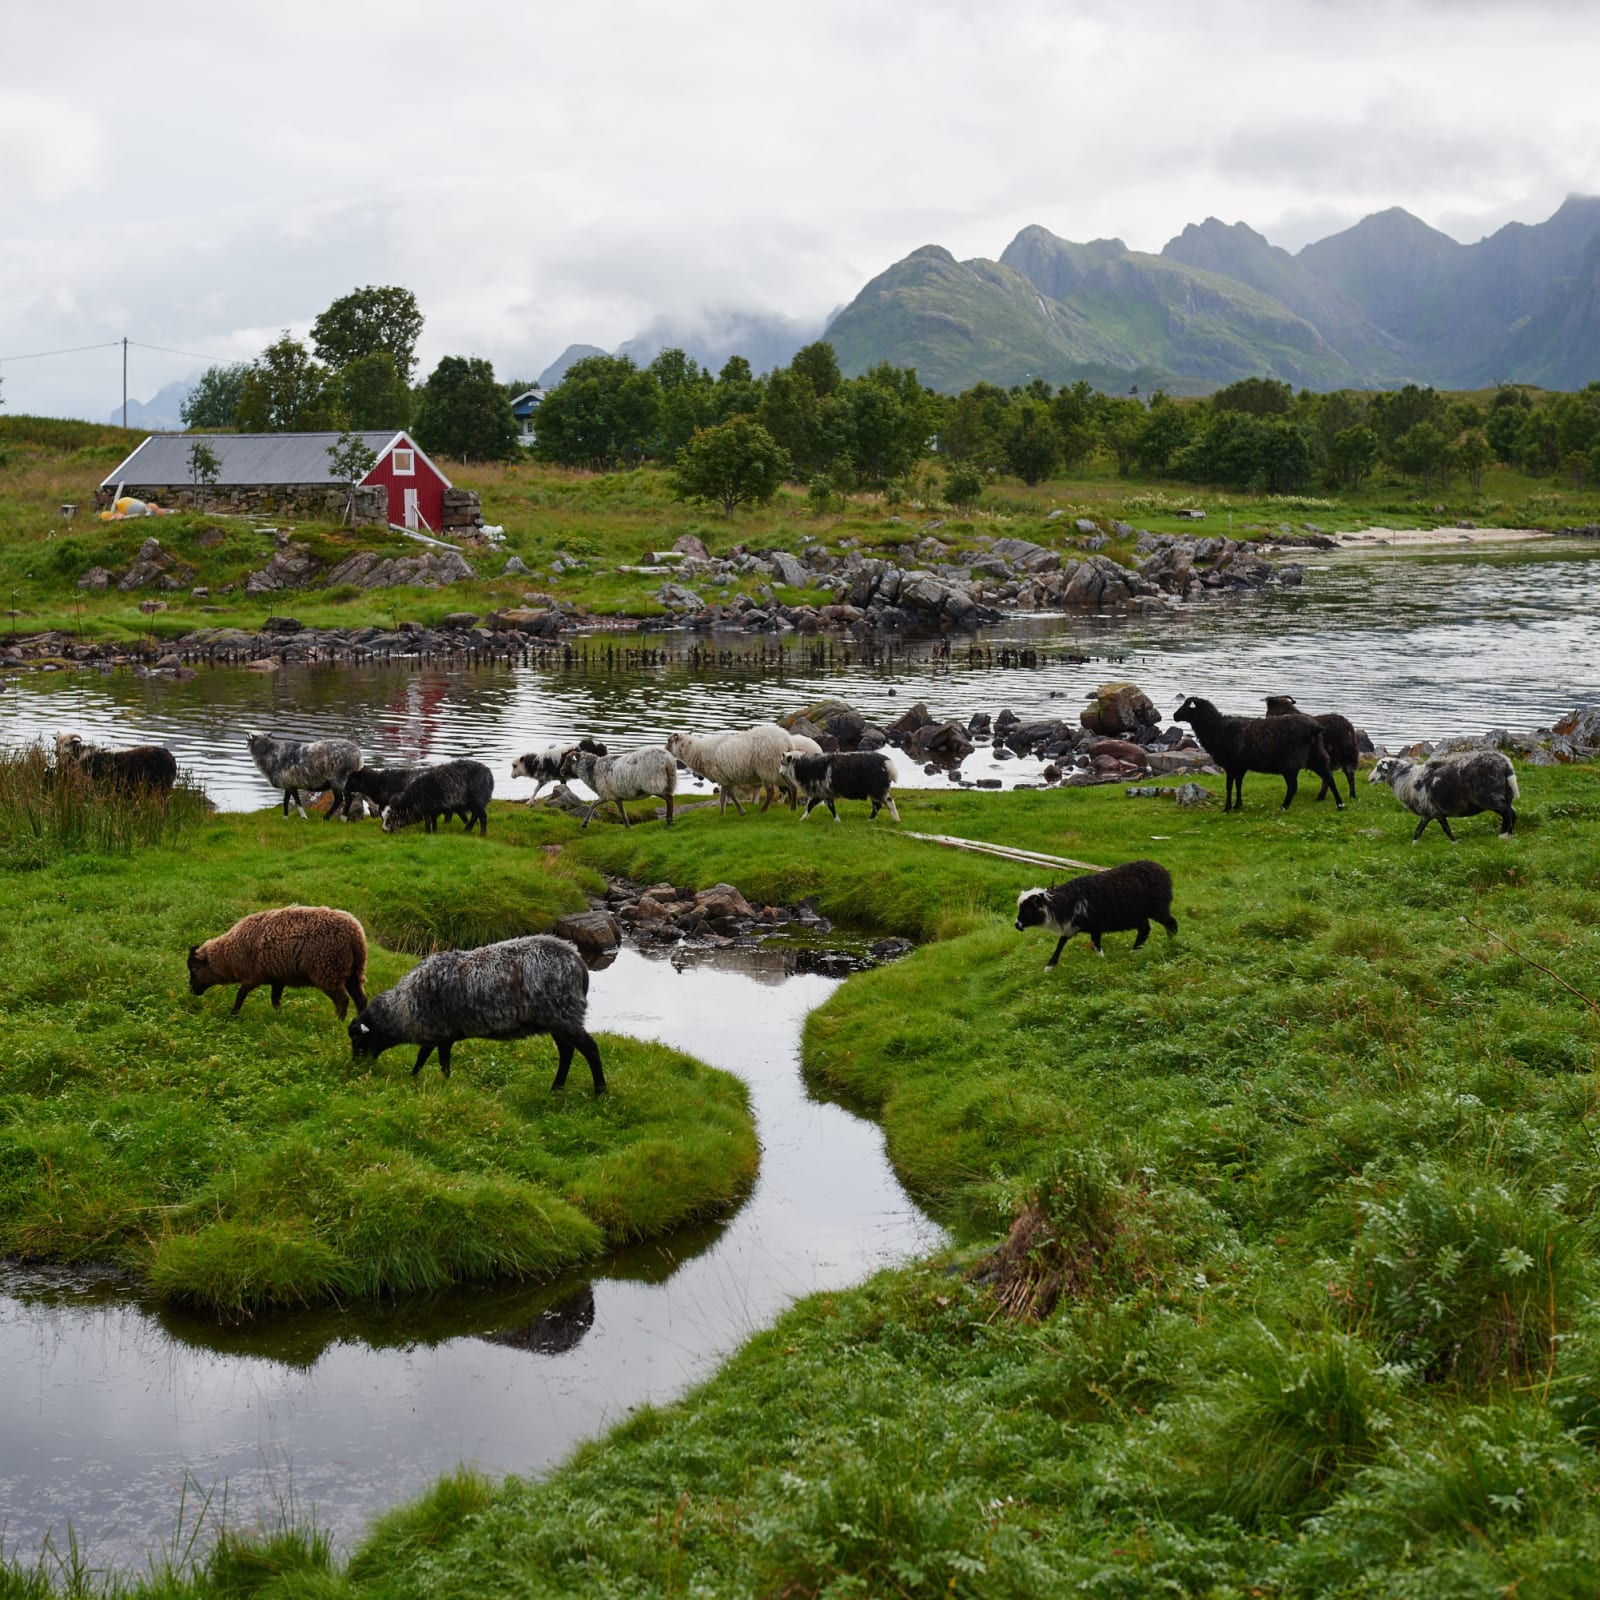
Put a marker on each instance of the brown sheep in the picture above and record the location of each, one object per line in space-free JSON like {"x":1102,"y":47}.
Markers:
{"x":294,"y":947}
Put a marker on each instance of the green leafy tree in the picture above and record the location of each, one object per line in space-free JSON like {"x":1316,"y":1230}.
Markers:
{"x":1077,"y":416}
{"x":285,"y":391}
{"x":371,"y":392}
{"x":1473,"y":454}
{"x":366,"y":321}
{"x":792,"y":413}
{"x":738,"y":393}
{"x":350,"y":459}
{"x":1423,"y":452}
{"x":1164,"y":433}
{"x":603,"y":412}
{"x":463,"y":412}
{"x":214,"y":401}
{"x":1122,"y":428}
{"x":732,"y":463}
{"x":1352,"y":455}
{"x":1032,"y":446}
{"x":1394,"y":414}
{"x":205,"y":467}
{"x":963,"y":484}
{"x":819,"y":366}
{"x":889,"y":420}
{"x":687,"y":401}
{"x":1255,"y":397}
{"x":974,"y":426}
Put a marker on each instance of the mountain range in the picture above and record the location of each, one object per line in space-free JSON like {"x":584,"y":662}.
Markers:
{"x":1387,"y":302}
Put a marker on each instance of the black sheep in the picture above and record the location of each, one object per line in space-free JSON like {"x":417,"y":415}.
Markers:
{"x":143,"y":766}
{"x":1338,"y":734}
{"x":456,"y":789}
{"x":1119,"y":900}
{"x":1259,"y":744}
{"x":381,"y":785}
{"x":842,"y":775}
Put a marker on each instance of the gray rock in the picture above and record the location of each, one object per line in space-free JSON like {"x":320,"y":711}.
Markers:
{"x":1084,"y":525}
{"x":95,"y":578}
{"x":515,"y":567}
{"x":788,"y":569}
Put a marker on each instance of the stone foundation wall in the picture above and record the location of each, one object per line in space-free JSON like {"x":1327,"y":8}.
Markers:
{"x":309,"y":502}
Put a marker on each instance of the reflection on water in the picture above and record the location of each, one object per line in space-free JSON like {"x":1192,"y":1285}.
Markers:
{"x":108,"y":1403}
{"x":1410,"y":644}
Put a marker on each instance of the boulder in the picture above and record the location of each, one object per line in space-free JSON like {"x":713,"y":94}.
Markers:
{"x":687,"y":544}
{"x":95,"y":578}
{"x":788,"y":569}
{"x":592,"y":931}
{"x":1119,"y":708}
{"x":908,"y":722}
{"x":722,"y":900}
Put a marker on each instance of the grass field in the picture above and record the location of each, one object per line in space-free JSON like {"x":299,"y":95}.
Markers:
{"x":1275,"y":1263}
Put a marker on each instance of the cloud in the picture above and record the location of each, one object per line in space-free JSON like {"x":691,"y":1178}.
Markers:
{"x":51,"y":148}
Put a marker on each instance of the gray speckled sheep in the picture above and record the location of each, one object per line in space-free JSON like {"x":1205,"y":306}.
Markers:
{"x":500,"y":991}
{"x":294,"y":947}
{"x":313,"y":765}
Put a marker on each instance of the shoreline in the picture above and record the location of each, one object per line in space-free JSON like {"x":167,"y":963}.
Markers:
{"x":1418,"y":538}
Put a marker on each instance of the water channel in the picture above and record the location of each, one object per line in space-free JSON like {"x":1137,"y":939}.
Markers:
{"x":113,"y":1411}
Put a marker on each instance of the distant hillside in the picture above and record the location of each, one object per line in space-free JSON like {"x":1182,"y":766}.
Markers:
{"x":160,"y":413}
{"x":570,"y":357}
{"x":764,"y":340}
{"x":1386,"y":302}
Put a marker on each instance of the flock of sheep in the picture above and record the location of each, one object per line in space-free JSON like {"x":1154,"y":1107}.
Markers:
{"x":539,"y":984}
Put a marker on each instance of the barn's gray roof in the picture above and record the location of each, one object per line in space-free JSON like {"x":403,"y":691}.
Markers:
{"x":246,"y":458}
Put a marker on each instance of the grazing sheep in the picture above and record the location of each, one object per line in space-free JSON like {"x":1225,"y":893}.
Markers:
{"x":842,"y":775}
{"x":544,"y":766}
{"x":1259,"y":744}
{"x":1338,"y":734}
{"x":379,"y":786}
{"x":294,"y":947}
{"x":1459,"y":785}
{"x":1118,"y":900}
{"x":310,"y":764}
{"x":456,"y":789}
{"x":633,"y":775}
{"x":748,"y":758}
{"x":500,"y":991}
{"x":143,"y":766}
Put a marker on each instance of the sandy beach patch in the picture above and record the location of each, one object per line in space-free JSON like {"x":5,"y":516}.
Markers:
{"x":1433,"y":536}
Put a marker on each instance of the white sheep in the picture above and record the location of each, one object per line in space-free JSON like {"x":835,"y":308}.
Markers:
{"x":748,"y":758}
{"x":633,"y":775}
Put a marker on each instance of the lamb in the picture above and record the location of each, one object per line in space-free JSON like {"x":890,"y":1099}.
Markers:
{"x":747,"y":758}
{"x":381,"y":786}
{"x":143,"y":766}
{"x":1259,"y":744}
{"x":1459,"y":785}
{"x":1338,"y":734}
{"x":458,"y":788}
{"x":314,"y":764}
{"x":544,"y":766}
{"x":843,"y":775}
{"x":631,"y":776}
{"x":802,"y":745}
{"x":1118,"y":900}
{"x":509,"y":990}
{"x":294,"y":947}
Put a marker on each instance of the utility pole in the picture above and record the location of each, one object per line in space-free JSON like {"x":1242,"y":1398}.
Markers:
{"x":124,"y":380}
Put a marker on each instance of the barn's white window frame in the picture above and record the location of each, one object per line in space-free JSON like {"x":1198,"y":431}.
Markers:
{"x":405,"y":463}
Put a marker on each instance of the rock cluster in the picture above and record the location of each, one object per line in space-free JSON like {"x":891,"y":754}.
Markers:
{"x":151,"y":568}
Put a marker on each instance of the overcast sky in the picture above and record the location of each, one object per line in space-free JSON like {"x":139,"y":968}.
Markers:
{"x":200,"y":176}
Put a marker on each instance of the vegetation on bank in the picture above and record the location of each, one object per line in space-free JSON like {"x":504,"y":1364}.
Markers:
{"x":1275,"y":1268}
{"x":239,"y":1163}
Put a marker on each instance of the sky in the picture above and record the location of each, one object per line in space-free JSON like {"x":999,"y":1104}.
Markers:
{"x":200,"y":177}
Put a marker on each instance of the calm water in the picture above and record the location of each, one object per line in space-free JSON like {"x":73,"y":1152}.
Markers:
{"x":1409,"y":644}
{"x":109,"y":1404}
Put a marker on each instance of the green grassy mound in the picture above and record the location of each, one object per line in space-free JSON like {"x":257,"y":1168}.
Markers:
{"x":238,"y":1163}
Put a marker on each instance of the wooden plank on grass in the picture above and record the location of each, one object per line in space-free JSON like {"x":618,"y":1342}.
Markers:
{"x":1031,"y":858}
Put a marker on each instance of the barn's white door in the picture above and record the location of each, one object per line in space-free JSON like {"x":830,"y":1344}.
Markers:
{"x":411,"y":508}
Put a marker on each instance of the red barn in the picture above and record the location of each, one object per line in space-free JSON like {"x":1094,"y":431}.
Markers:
{"x":283,"y":468}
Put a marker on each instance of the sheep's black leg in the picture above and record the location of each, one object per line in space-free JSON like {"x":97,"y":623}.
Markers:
{"x":833,"y":810}
{"x":422,"y":1056}
{"x":1291,"y":782}
{"x":1508,"y":823}
{"x":1444,"y":822}
{"x":357,"y":993}
{"x":563,"y":1060}
{"x":277,"y":997}
{"x":245,"y":991}
{"x":1350,"y":775}
{"x":1099,"y":949}
{"x":483,"y":823}
{"x":809,"y":803}
{"x":1170,"y":923}
{"x":1061,"y":945}
{"x":1144,"y":933}
{"x":590,"y":1052}
{"x":444,"y":1056}
{"x":1420,"y":826}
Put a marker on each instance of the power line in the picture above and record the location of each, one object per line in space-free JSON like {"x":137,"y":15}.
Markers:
{"x":139,"y":344}
{"x":39,"y":355}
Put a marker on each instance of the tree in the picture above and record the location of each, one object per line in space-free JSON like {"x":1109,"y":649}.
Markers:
{"x":205,"y":466}
{"x":463,"y":412}
{"x":371,"y":392}
{"x":604,"y":411}
{"x":889,"y":418}
{"x":732,"y":463}
{"x":1473,"y":454}
{"x":1077,"y":414}
{"x":284,"y":391}
{"x":1396,"y":413}
{"x":1032,"y":446}
{"x":975,"y":425}
{"x":687,"y":401}
{"x":1255,"y":397}
{"x":1122,"y":427}
{"x":350,"y":459}
{"x":738,"y":393}
{"x":214,"y":401}
{"x":962,"y":486}
{"x":819,"y":366}
{"x":1352,"y":455}
{"x":366,"y":321}
{"x":1423,"y":453}
{"x":1164,"y":433}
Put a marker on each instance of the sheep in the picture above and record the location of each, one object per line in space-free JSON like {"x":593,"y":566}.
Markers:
{"x":802,"y":745}
{"x":314,"y":764}
{"x":458,"y":788}
{"x":748,"y":758}
{"x":500,"y":991}
{"x":1259,"y":744}
{"x":632,"y":776}
{"x":380,"y":786}
{"x":1118,"y":900}
{"x":1338,"y":734}
{"x":842,"y":775}
{"x":294,"y":947}
{"x":143,"y":766}
{"x":544,"y":766}
{"x":1459,"y":785}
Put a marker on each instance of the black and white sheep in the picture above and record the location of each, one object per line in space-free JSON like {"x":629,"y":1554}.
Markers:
{"x":1118,"y":900}
{"x":142,"y":766}
{"x":1259,"y":744}
{"x":510,"y":990}
{"x":842,"y":775}
{"x":293,"y":947}
{"x":311,"y":764}
{"x":746,"y":758}
{"x":544,"y":766}
{"x":803,"y":745}
{"x":455,"y":789}
{"x":1459,"y":785}
{"x":634,"y":775}
{"x":1338,"y":734}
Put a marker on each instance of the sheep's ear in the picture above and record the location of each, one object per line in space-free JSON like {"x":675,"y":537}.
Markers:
{"x":363,"y":1027}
